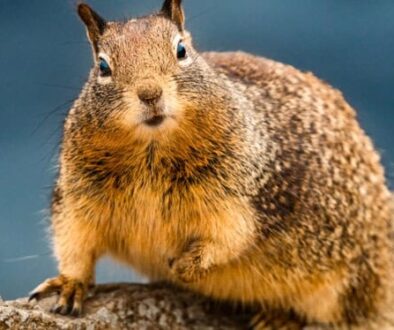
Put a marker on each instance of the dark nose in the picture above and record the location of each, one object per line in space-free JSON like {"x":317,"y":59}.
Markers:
{"x":150,"y":94}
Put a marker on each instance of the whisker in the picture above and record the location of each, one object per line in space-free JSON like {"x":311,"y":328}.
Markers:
{"x":25,"y":258}
{"x":51,"y":113}
{"x":55,"y":146}
{"x":66,"y":43}
{"x":59,"y":86}
{"x":202,"y":13}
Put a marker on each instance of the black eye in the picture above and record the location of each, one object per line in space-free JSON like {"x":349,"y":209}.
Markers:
{"x":181,"y":51}
{"x":105,"y":70}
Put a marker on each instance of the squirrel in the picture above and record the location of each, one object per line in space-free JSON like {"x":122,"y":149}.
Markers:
{"x":231,"y":175}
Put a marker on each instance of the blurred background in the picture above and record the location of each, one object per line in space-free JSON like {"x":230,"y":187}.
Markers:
{"x":45,"y":59}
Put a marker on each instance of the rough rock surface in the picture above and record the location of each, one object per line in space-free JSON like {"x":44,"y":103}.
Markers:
{"x":127,"y":306}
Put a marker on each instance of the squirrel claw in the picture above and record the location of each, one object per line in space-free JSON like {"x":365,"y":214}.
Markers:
{"x":34,"y":296}
{"x":76,"y":311}
{"x":275,"y":321}
{"x":71,"y":294}
{"x":60,"y":309}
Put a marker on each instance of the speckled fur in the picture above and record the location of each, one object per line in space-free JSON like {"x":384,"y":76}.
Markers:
{"x":262,"y":190}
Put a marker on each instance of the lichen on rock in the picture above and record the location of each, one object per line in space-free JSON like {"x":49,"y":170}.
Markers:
{"x":127,"y":306}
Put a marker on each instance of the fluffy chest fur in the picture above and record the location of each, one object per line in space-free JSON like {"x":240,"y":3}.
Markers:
{"x":147,"y":207}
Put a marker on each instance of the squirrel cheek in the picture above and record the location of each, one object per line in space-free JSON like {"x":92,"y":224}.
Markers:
{"x":104,"y":80}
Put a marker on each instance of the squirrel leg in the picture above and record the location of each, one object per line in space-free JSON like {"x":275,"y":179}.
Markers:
{"x":77,"y":254}
{"x":201,"y":254}
{"x":191,"y":265}
{"x":198,"y":257}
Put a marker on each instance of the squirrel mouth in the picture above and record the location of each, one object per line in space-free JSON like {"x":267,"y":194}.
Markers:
{"x":155,"y":120}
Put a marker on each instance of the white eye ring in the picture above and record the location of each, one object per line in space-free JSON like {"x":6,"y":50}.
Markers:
{"x":182,"y":62}
{"x":107,"y":79}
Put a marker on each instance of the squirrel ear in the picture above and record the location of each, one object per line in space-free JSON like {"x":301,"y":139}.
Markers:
{"x":95,"y":25}
{"x":174,"y":11}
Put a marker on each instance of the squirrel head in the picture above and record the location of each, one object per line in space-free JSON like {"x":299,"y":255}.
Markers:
{"x":146,"y":72}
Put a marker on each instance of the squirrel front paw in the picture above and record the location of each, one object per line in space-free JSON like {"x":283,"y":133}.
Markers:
{"x":71,"y":294}
{"x":187,"y":268}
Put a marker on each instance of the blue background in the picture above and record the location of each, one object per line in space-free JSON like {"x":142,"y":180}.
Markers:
{"x":45,"y":59}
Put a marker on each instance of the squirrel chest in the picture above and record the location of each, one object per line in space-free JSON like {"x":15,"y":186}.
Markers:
{"x":147,"y":206}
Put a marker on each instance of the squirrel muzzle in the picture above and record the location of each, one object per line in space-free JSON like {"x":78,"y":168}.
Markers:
{"x":151,"y":96}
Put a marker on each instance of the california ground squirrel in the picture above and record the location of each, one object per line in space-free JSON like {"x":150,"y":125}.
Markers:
{"x":229,"y":174}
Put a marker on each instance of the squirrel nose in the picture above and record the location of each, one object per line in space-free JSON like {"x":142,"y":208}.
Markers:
{"x":149,"y":94}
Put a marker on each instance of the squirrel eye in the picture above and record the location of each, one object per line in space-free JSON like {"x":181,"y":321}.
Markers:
{"x":105,"y":69}
{"x":181,"y":51}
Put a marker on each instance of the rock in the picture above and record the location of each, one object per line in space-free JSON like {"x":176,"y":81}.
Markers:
{"x":127,"y":306}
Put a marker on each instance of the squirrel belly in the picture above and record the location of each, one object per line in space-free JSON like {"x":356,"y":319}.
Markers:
{"x":229,"y":174}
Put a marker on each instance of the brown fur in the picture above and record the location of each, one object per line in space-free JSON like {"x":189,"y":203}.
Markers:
{"x":259,"y":188}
